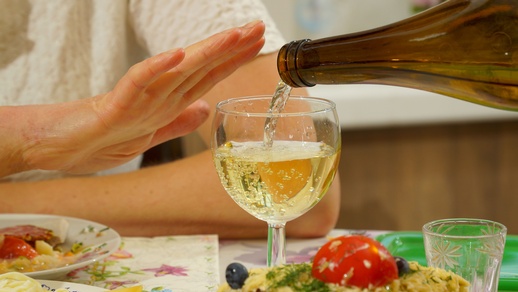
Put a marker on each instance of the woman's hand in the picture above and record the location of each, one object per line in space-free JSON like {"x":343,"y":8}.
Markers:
{"x":157,"y":100}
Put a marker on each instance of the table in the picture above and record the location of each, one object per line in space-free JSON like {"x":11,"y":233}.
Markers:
{"x":195,"y":263}
{"x":187,"y":263}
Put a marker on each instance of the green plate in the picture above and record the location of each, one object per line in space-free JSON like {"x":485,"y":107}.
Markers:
{"x":410,"y":245}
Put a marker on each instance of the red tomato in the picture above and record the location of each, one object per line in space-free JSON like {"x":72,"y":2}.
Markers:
{"x":354,"y":260}
{"x":13,"y":247}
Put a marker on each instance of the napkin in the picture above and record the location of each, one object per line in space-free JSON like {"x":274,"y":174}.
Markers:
{"x":159,"y":264}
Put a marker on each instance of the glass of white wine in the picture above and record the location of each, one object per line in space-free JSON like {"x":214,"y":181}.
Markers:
{"x":276,"y":164}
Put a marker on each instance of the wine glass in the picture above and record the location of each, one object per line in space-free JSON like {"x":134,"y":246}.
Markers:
{"x":278,"y":175}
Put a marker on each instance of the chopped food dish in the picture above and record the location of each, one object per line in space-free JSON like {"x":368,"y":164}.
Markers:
{"x":345,"y":264}
{"x":29,"y":248}
{"x":31,"y":233}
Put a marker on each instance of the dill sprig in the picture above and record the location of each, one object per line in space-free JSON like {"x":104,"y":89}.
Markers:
{"x":297,"y":277}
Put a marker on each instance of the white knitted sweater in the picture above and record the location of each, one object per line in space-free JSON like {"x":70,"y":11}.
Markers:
{"x":60,"y":50}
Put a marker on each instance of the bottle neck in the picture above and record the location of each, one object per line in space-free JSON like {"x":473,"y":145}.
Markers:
{"x":287,"y":64}
{"x":305,"y":63}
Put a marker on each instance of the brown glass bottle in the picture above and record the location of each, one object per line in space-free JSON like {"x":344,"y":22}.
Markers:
{"x":467,"y":49}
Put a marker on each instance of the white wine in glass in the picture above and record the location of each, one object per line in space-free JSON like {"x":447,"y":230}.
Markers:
{"x":280,"y":179}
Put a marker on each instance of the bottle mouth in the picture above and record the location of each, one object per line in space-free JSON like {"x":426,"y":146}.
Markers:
{"x":287,"y":64}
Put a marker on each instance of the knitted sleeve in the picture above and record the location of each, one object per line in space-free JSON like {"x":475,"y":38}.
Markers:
{"x":161,"y":25}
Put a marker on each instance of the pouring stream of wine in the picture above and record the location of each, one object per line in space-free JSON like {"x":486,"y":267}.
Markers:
{"x":279,"y":99}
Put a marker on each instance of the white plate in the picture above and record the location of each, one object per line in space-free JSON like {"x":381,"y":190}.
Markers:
{"x":100,"y":241}
{"x":72,"y":287}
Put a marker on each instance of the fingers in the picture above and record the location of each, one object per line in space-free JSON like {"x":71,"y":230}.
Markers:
{"x":221,"y":72}
{"x":141,"y":75}
{"x":248,"y":46}
{"x":198,"y":55}
{"x":202,"y":57}
{"x":188,"y":121}
{"x":149,"y":83}
{"x":153,"y":90}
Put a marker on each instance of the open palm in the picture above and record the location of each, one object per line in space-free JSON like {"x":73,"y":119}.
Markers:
{"x":155,"y":101}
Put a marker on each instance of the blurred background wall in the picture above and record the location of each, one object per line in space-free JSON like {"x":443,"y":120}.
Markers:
{"x":299,"y":19}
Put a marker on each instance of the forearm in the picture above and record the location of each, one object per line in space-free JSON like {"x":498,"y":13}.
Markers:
{"x":173,"y":198}
{"x":183,"y":197}
{"x":13,"y":121}
{"x":32,"y":136}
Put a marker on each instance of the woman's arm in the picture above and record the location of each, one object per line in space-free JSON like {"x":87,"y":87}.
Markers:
{"x":182,"y":197}
{"x":154,"y":102}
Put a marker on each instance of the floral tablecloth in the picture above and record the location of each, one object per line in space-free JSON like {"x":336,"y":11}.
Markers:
{"x":160,"y":264}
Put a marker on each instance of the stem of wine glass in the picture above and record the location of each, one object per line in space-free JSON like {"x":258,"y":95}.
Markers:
{"x":276,"y":244}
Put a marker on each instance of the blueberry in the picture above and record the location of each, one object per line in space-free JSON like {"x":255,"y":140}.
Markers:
{"x":402,"y":266}
{"x":236,"y":275}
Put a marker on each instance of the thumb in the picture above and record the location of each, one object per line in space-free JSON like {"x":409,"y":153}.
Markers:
{"x":188,"y":121}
